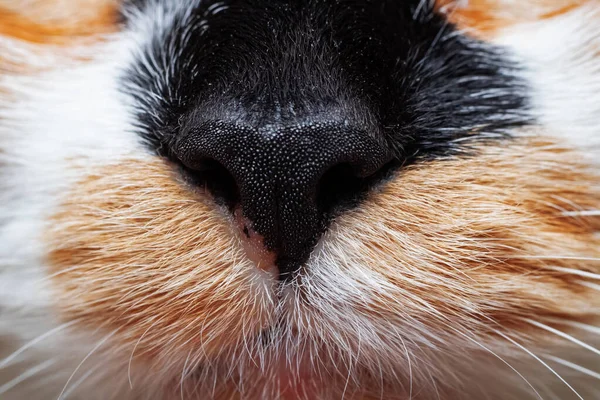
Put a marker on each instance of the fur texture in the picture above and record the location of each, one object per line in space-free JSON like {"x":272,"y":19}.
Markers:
{"x":469,"y":276}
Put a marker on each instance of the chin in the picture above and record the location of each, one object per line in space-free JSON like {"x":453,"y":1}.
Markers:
{"x":250,"y":199}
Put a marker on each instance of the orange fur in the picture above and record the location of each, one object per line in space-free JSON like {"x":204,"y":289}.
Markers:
{"x":477,"y":244}
{"x":152,"y":260}
{"x":57,"y":22}
{"x":52,"y":28}
{"x":491,"y":220}
{"x":466,"y":246}
{"x":485,"y":17}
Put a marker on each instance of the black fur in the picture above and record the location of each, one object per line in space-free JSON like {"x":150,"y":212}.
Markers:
{"x":275,"y":85}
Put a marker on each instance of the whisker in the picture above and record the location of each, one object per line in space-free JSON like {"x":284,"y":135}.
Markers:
{"x":79,"y":382}
{"x":437,"y":393}
{"x":577,"y":272}
{"x":184,"y":374}
{"x":540,"y":361}
{"x":350,"y":366}
{"x":548,"y":392}
{"x":574,"y":366}
{"x":561,"y":258}
{"x":33,"y":342}
{"x":582,"y":213}
{"x":380,"y":379}
{"x":563,"y":335}
{"x":25,"y":375}
{"x":591,"y":285}
{"x":106,"y":338}
{"x":133,"y":352}
{"x":410,"y":373}
{"x":582,"y":326}
{"x":501,"y":359}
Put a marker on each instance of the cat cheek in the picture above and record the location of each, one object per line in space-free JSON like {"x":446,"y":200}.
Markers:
{"x":491,"y":239}
{"x":131,"y":251}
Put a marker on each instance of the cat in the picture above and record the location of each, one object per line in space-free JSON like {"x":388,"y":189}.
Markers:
{"x":299,"y":199}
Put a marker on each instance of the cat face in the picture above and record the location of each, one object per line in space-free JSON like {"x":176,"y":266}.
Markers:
{"x":319,"y":199}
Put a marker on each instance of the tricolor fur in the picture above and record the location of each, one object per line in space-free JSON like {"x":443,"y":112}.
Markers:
{"x":470,"y":269}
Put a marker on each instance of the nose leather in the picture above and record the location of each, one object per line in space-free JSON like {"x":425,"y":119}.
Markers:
{"x":278,"y":173}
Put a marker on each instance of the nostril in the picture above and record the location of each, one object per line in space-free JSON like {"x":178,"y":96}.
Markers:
{"x":342,"y":186}
{"x":337,"y":186}
{"x":287,"y":182}
{"x":212,"y":175}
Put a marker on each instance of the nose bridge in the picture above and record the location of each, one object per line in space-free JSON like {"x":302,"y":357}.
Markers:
{"x":289,"y":161}
{"x":289,"y":157}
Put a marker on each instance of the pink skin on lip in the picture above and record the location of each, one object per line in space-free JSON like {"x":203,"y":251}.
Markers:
{"x":253,"y":244}
{"x":295,"y":377}
{"x":294,"y":385}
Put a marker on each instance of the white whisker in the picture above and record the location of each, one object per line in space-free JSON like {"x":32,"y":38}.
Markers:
{"x":79,"y":382}
{"x":574,"y":366}
{"x":503,"y":360}
{"x":410,"y":373}
{"x":437,"y":393}
{"x":577,"y":272}
{"x":561,"y":258}
{"x":582,"y":213}
{"x":183,"y":374}
{"x":563,"y":335}
{"x":60,"y":396}
{"x":33,"y":342}
{"x":591,"y":285}
{"x":133,"y":352}
{"x":548,"y":392}
{"x":540,"y":361}
{"x":25,"y":375}
{"x":350,"y":366}
{"x":582,"y":326}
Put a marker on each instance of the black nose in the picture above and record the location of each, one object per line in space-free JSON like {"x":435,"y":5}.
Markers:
{"x":286,"y":179}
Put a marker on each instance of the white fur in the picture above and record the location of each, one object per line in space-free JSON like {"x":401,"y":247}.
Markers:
{"x":561,"y":61}
{"x":55,"y":125}
{"x":58,"y":124}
